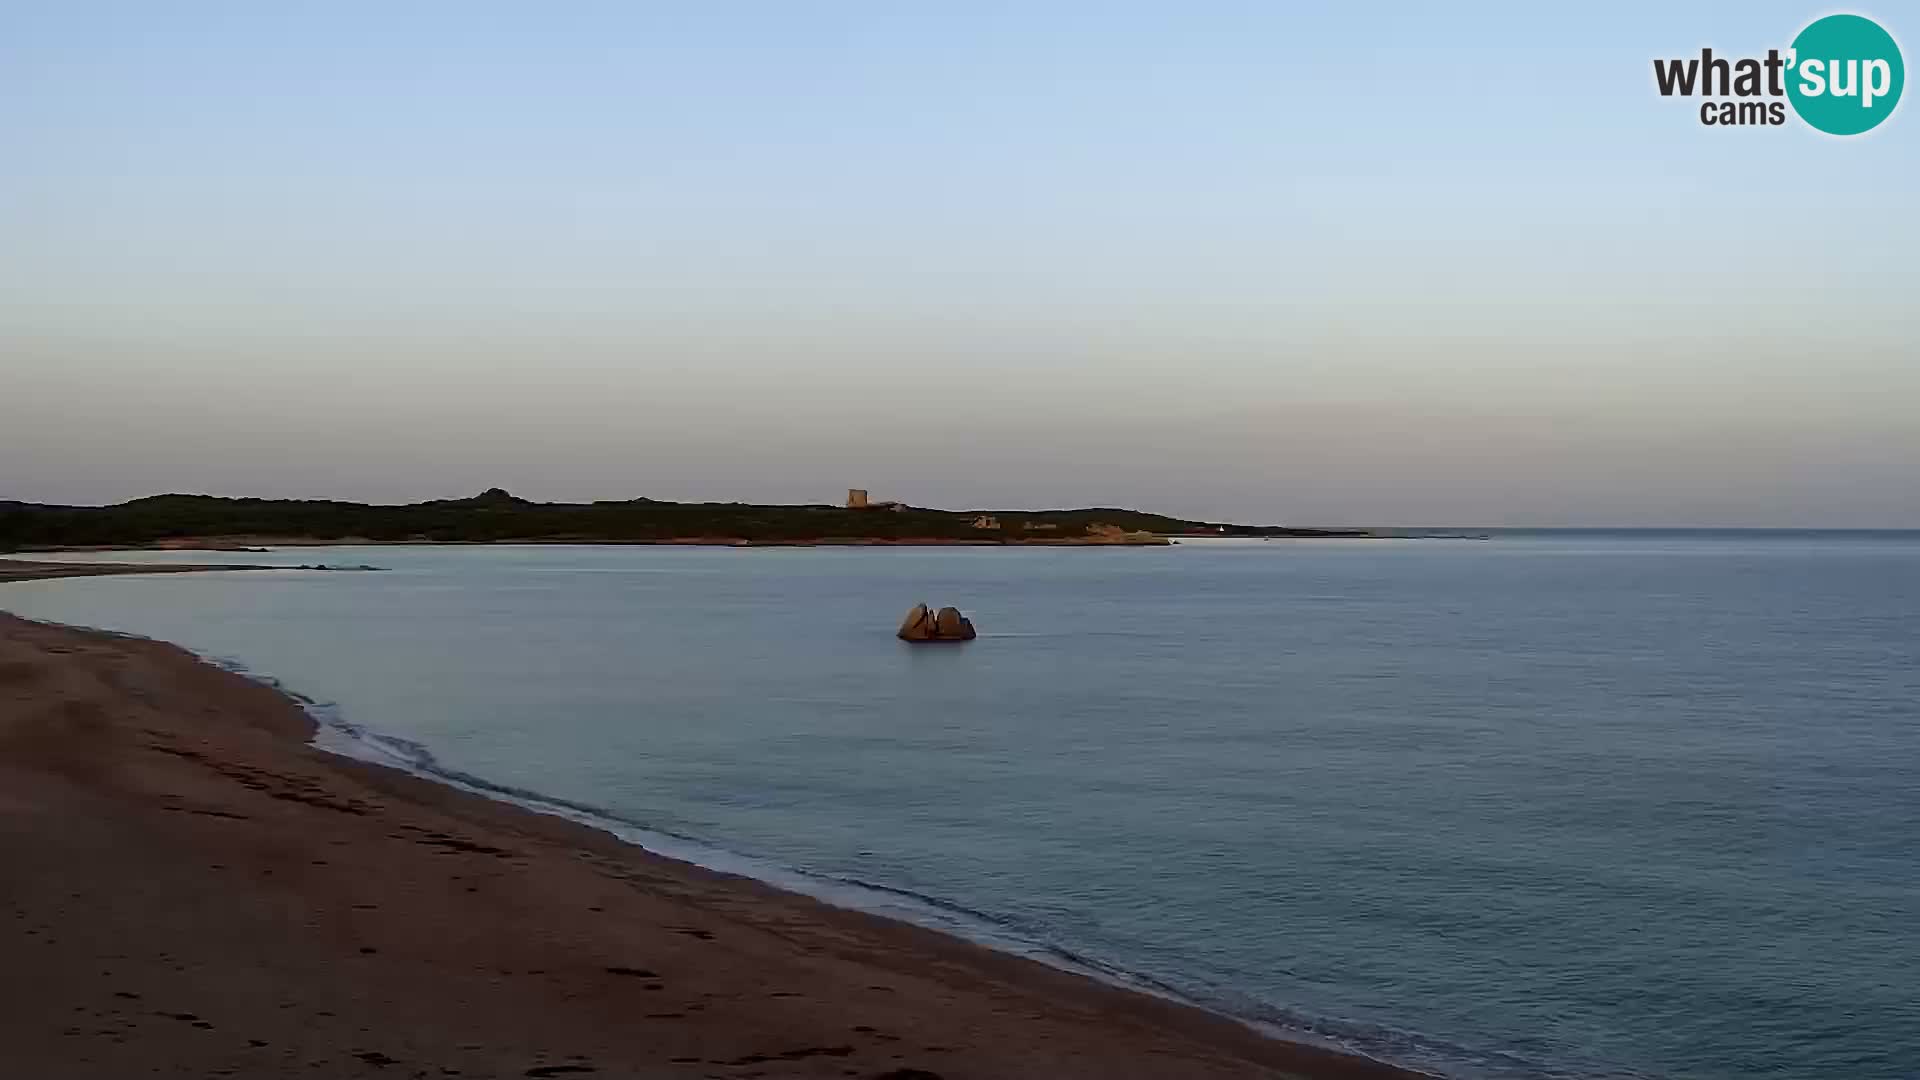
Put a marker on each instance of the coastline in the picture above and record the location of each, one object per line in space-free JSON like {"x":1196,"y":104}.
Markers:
{"x":203,"y":889}
{"x":221,"y":545}
{"x":17,"y":569}
{"x":497,"y":516}
{"x":258,"y":543}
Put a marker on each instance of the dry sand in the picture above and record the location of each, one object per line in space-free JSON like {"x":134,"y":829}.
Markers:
{"x":187,"y":888}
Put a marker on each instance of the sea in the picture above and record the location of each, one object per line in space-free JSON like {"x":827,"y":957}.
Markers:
{"x":1572,"y":804}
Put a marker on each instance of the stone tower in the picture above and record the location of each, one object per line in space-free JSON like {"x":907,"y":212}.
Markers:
{"x":856,"y":498}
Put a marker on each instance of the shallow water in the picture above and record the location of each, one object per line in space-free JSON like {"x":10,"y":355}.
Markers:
{"x":1581,"y":804}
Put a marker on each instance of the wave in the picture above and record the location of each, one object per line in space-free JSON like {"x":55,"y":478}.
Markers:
{"x":336,"y":734}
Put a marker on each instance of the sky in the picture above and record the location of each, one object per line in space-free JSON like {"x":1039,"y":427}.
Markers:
{"x":1390,"y":264}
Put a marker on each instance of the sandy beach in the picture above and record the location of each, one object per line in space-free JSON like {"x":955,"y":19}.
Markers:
{"x":193,"y":890}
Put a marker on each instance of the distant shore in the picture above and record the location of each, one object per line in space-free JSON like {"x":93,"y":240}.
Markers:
{"x":259,"y":543}
{"x":243,"y":544}
{"x":495,"y":516}
{"x":199,"y":890}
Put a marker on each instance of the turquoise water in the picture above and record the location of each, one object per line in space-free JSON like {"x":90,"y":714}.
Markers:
{"x":1577,"y":804}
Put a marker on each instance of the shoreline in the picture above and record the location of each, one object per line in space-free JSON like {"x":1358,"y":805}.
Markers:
{"x":259,"y":543}
{"x":17,"y":569}
{"x":285,"y":889}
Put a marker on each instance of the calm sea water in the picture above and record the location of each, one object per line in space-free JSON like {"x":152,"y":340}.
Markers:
{"x":1577,"y":804}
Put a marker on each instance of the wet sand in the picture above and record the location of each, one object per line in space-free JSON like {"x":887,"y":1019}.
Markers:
{"x":190,"y":889}
{"x":25,"y":570}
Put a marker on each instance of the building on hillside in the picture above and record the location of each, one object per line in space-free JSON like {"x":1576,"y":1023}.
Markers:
{"x":857,"y":500}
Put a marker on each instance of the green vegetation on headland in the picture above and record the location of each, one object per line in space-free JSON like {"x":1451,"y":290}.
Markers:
{"x":495,"y":516}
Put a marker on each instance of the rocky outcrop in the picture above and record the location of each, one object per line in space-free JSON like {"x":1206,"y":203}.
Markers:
{"x":918,"y":625}
{"x":924,"y":624}
{"x":951,"y":624}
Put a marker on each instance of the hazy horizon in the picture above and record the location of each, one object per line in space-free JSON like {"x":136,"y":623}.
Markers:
{"x":1323,"y":266}
{"x":1040,"y":508}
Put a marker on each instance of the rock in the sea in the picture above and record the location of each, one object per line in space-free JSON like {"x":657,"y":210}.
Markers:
{"x":950,"y":625}
{"x":919,"y":624}
{"x":922,"y":624}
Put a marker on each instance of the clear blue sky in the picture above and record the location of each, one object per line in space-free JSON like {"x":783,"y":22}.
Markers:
{"x":1373,"y":263}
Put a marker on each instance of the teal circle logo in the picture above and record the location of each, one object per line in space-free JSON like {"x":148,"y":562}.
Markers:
{"x":1845,"y":74}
